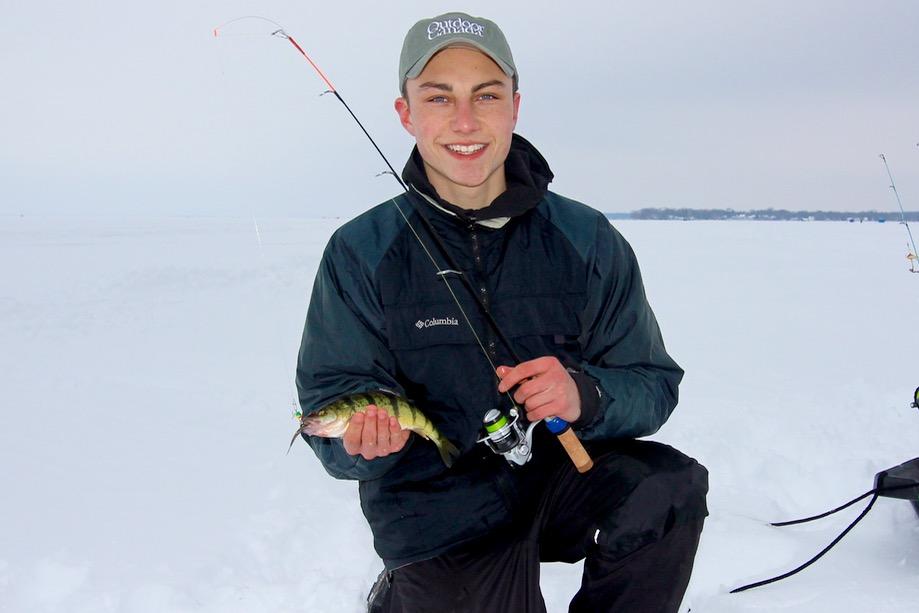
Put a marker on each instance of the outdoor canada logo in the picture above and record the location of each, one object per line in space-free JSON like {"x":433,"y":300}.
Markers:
{"x":436,"y":29}
{"x":421,"y":324}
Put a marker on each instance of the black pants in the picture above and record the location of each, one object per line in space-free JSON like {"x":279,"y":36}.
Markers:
{"x":635,"y":519}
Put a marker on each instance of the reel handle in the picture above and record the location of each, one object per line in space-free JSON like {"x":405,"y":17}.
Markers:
{"x":571,"y":443}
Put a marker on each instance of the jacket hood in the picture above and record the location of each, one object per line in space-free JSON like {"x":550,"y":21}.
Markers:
{"x":527,"y":173}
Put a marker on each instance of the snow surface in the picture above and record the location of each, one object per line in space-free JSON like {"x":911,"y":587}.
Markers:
{"x":147,"y":388}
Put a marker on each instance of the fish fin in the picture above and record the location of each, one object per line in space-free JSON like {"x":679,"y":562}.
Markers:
{"x":448,"y":452}
{"x":296,"y":434}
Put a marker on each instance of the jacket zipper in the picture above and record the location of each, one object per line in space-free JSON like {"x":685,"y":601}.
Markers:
{"x":484,"y":298}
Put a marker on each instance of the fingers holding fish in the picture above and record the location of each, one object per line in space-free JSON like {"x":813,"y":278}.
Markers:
{"x":373,"y":433}
{"x":381,"y":445}
{"x":397,"y":436}
{"x":354,"y":434}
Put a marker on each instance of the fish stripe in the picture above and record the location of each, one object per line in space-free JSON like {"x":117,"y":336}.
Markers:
{"x":394,"y":403}
{"x":379,"y":402}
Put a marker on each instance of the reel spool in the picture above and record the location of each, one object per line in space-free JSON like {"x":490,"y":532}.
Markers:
{"x":507,"y":437}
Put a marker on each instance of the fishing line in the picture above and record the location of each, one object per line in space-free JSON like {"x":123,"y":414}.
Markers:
{"x":558,"y":426}
{"x":219,"y":28}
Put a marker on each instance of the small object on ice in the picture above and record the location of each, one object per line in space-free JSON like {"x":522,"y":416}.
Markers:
{"x":895,"y":482}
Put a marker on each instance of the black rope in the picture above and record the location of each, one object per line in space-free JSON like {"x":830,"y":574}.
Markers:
{"x":827,"y":514}
{"x":815,"y":558}
{"x":874,"y":493}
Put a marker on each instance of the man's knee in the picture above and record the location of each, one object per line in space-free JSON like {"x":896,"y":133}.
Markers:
{"x":669,"y":491}
{"x":684,"y":485}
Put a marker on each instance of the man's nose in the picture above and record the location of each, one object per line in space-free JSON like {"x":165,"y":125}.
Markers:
{"x":465,"y":120}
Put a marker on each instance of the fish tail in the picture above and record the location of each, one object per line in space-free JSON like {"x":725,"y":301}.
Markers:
{"x":448,"y":451}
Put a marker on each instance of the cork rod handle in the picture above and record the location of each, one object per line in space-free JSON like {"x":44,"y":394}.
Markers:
{"x":576,"y":451}
{"x":571,"y":443}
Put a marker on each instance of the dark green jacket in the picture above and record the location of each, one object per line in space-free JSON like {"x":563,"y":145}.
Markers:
{"x":559,"y":280}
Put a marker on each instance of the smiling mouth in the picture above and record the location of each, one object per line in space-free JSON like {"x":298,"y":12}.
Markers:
{"x":465,"y":149}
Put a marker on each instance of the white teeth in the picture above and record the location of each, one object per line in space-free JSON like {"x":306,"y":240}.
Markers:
{"x":465,"y":149}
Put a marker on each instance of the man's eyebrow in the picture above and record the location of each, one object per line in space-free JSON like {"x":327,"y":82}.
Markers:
{"x":449,"y":88}
{"x":488,"y":84}
{"x":433,"y":85}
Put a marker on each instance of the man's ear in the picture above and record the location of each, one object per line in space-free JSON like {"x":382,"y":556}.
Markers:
{"x":405,"y":115}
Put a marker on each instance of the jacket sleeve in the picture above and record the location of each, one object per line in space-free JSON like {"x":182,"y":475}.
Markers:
{"x":344,"y":351}
{"x":636,"y":380}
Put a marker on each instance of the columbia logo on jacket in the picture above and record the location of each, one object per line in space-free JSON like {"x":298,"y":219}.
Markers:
{"x":427,"y":323}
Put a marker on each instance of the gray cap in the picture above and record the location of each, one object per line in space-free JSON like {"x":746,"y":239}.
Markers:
{"x":429,"y":36}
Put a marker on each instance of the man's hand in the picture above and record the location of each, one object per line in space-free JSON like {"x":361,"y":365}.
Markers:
{"x":547,"y":389}
{"x":375,"y":434}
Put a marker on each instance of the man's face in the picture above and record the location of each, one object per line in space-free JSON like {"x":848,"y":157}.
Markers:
{"x":462,"y":111}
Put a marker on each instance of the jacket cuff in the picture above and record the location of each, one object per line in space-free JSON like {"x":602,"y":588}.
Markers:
{"x":590,"y":398}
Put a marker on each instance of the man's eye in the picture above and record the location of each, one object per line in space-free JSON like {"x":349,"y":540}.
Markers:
{"x":488,"y":97}
{"x":438,"y":99}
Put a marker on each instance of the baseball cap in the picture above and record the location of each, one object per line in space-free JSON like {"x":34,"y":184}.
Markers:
{"x":429,"y":36}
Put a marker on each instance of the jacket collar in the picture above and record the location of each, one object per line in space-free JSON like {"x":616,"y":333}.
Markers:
{"x":527,"y":174}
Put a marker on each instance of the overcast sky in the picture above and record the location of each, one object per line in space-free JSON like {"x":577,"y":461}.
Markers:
{"x":136,"y":108}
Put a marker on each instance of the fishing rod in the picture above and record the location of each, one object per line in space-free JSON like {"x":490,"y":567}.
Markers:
{"x":508,"y":439}
{"x":893,"y":186}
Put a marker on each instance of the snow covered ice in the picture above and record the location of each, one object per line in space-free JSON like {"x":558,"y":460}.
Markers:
{"x":147,"y":371}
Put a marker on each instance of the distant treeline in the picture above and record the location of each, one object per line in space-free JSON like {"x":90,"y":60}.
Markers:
{"x":770,"y":215}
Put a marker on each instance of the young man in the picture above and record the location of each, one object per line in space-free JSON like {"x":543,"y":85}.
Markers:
{"x":565,"y":289}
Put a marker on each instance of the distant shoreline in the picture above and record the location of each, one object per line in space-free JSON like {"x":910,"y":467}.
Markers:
{"x":762,"y":215}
